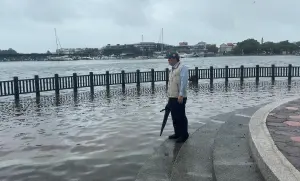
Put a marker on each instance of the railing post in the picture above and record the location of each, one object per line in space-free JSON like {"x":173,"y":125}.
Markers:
{"x":273,"y":74}
{"x":197,"y":74}
{"x":242,"y":74}
{"x":56,"y":83}
{"x":152,"y":77}
{"x":138,"y":78}
{"x":257,"y":74}
{"x":37,"y":85}
{"x":167,"y":77}
{"x":16,"y":88}
{"x":75,"y":85}
{"x":1,"y":91}
{"x":92,"y":82}
{"x":211,"y":75}
{"x":107,"y":80}
{"x":123,"y":80}
{"x":290,"y":74}
{"x":226,"y":75}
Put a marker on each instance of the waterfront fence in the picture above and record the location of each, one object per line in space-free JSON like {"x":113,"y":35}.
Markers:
{"x":37,"y":85}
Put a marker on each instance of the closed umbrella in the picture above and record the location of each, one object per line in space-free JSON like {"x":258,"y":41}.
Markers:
{"x":167,"y":112}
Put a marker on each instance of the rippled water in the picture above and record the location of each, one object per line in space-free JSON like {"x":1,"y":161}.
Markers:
{"x":47,"y":69}
{"x":106,"y":138}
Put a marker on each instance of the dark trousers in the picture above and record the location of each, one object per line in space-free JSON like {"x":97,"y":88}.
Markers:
{"x":180,"y":121}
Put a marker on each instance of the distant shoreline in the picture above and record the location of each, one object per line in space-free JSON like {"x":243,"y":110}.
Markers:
{"x":142,"y":59}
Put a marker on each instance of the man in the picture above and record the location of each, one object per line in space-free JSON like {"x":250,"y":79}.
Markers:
{"x":177,"y":93}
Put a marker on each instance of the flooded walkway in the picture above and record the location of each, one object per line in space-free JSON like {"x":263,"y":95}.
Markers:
{"x":106,"y":138}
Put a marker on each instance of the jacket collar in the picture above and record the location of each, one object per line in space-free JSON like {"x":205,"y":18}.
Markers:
{"x":175,"y":66}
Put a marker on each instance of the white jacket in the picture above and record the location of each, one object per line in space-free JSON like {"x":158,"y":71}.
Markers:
{"x":175,"y":83}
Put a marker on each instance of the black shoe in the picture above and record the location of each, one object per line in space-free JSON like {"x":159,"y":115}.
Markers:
{"x":173,"y":137}
{"x":182,"y":139}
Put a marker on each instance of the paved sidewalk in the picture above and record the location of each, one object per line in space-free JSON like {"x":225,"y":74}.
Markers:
{"x":284,"y":126}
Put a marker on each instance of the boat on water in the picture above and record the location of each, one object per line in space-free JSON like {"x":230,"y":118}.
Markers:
{"x":141,"y":57}
{"x":86,"y":58}
{"x":161,"y":56}
{"x":188,"y":55}
{"x":60,"y":58}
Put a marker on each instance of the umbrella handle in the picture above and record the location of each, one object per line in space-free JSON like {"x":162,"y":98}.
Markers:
{"x":163,"y":110}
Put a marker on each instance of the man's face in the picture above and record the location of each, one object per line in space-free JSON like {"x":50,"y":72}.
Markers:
{"x":172,"y":61}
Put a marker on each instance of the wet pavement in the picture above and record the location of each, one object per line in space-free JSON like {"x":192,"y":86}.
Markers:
{"x":107,"y":138}
{"x":283,"y":124}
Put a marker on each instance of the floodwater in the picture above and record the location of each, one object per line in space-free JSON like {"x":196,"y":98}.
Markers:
{"x":91,"y":138}
{"x":106,"y":138}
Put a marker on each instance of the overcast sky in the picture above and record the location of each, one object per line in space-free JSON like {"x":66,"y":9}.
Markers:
{"x":28,"y":25}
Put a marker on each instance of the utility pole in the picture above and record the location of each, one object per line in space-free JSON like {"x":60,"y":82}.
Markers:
{"x":162,"y":38}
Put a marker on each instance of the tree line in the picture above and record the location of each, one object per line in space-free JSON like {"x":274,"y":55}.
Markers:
{"x":246,"y":47}
{"x":253,"y":47}
{"x":9,"y":51}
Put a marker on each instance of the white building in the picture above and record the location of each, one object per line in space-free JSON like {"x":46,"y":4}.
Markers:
{"x":151,"y":46}
{"x":224,"y":48}
{"x":199,"y":47}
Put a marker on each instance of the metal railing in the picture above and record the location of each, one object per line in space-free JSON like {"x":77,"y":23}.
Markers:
{"x":37,"y":85}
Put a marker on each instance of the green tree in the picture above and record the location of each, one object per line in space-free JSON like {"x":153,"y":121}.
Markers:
{"x":287,"y":46}
{"x":252,"y":47}
{"x":298,"y":43}
{"x":212,"y":48}
{"x":248,"y":47}
{"x":9,"y":51}
{"x":269,"y":48}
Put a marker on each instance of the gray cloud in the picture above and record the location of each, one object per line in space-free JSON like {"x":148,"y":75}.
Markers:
{"x":27,"y":25}
{"x":53,"y":11}
{"x":127,"y":14}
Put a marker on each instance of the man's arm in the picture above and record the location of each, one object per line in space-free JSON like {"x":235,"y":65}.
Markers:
{"x":184,"y":76}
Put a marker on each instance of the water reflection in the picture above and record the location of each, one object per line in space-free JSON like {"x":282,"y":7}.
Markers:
{"x":106,"y":97}
{"x":104,"y":137}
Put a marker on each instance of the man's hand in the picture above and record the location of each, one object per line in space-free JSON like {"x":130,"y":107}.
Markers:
{"x":180,"y":99}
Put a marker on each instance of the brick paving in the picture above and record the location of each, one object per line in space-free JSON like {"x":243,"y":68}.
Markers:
{"x":284,"y":126}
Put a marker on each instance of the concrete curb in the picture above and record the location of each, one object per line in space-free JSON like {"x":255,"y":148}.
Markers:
{"x":273,"y":165}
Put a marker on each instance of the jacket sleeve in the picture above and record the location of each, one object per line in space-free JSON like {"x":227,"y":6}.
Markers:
{"x":184,"y":76}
